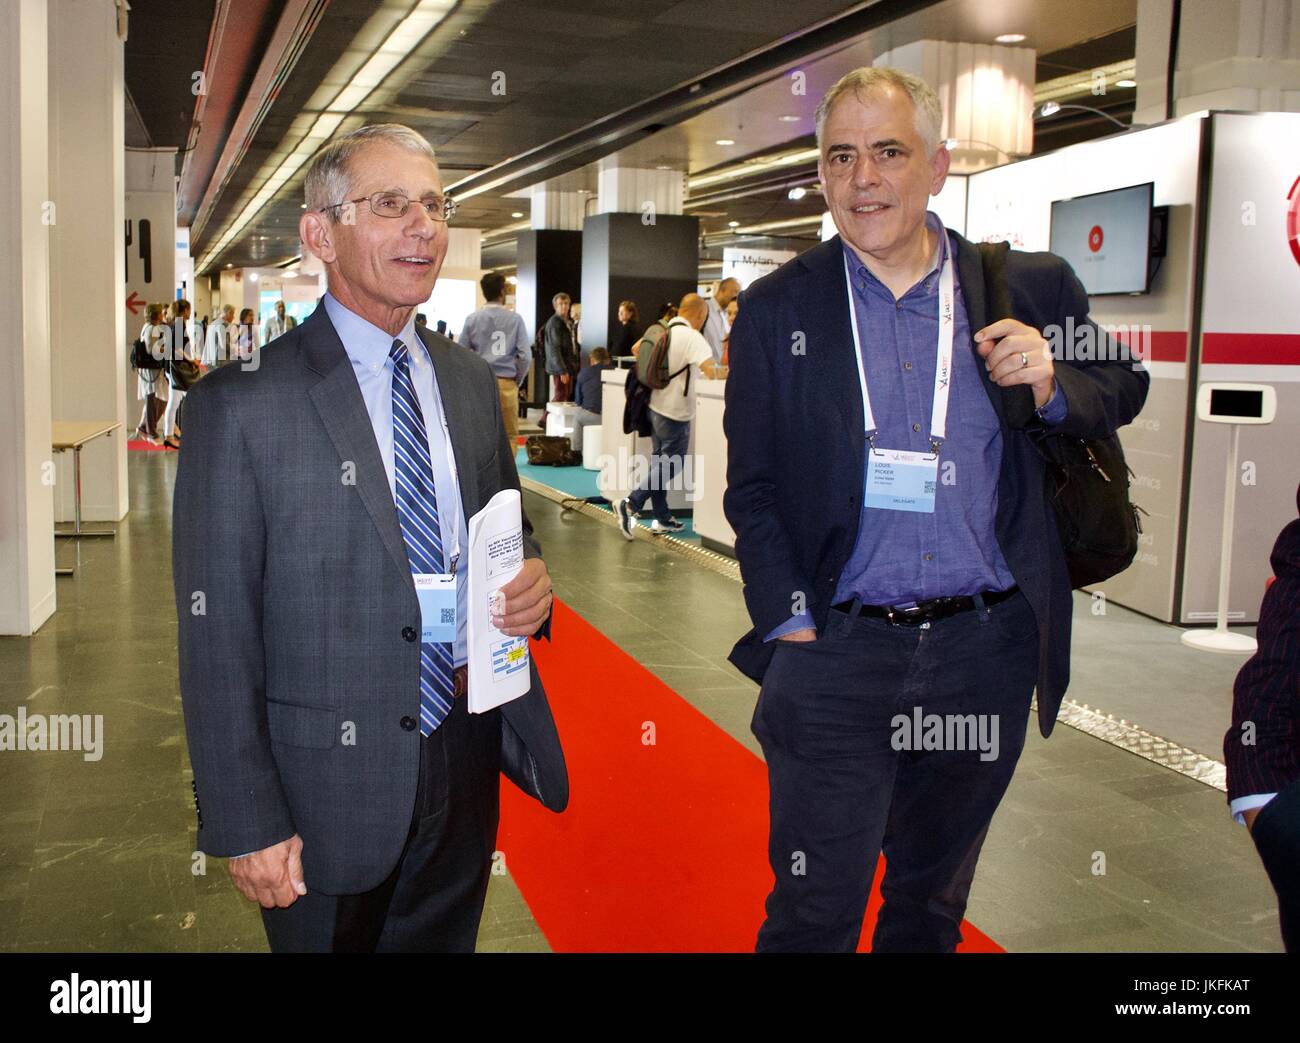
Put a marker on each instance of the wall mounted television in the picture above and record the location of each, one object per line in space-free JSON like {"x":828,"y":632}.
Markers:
{"x":1107,"y":238}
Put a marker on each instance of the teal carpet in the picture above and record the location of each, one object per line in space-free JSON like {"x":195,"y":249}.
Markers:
{"x":581,"y":483}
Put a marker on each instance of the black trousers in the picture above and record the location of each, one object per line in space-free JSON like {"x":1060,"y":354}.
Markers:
{"x":433,"y":899}
{"x":1277,"y":839}
{"x":851,"y":774}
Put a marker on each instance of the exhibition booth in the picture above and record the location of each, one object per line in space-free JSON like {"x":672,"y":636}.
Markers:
{"x":1186,"y":235}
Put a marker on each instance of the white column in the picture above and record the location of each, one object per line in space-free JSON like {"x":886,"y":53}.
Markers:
{"x":986,"y":92}
{"x":555,"y":209}
{"x":88,"y":328}
{"x":149,"y":177}
{"x":1232,"y":54}
{"x":27,"y":596}
{"x":633,"y":190}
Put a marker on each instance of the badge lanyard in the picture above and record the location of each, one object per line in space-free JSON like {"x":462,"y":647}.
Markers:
{"x":942,"y":370}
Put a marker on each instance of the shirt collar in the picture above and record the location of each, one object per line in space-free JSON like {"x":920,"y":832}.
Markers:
{"x":366,"y":344}
{"x":941,"y":247}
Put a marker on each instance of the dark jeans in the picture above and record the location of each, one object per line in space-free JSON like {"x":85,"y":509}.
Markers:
{"x":848,"y":780}
{"x":1277,"y":839}
{"x":670,"y":441}
{"x":433,"y":899}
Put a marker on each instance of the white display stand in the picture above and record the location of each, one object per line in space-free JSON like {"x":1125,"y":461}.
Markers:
{"x":1221,"y":639}
{"x":592,"y":439}
{"x":560,"y":421}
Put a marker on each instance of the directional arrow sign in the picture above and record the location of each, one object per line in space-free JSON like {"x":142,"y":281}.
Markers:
{"x":135,"y":303}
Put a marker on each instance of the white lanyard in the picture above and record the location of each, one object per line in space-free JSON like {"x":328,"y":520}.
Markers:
{"x":454,"y":557}
{"x":942,"y":369}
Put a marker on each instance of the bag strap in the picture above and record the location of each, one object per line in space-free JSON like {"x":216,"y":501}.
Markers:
{"x":1018,"y":400}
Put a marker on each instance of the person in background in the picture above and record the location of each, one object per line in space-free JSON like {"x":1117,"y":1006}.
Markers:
{"x":667,"y":312}
{"x":275,"y":326}
{"x":1262,"y":747}
{"x":216,"y":345}
{"x":500,"y":338}
{"x":151,"y":384}
{"x":733,"y":309}
{"x":182,"y":350}
{"x":440,"y":327}
{"x":716,"y":329}
{"x":247,"y":337}
{"x":628,"y":332}
{"x":588,"y":393}
{"x":422,"y":320}
{"x":672,"y":408}
{"x":575,"y":324}
{"x":561,"y":350}
{"x":289,"y":322}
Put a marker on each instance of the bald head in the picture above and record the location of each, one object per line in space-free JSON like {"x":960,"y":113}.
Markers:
{"x":694,"y":309}
{"x":728,"y":290}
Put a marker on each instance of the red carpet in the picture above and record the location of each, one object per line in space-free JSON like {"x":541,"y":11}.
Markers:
{"x":141,"y":446}
{"x":663,"y":847}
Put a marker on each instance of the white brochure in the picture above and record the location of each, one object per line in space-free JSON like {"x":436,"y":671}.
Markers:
{"x":498,"y":663}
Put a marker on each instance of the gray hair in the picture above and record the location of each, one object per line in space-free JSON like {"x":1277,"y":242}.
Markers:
{"x":329,"y":179}
{"x":869,"y":78}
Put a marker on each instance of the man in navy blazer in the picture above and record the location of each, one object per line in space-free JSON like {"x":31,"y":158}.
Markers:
{"x":900,"y":555}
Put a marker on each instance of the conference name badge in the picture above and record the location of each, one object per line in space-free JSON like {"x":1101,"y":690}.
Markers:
{"x":899,"y":480}
{"x":437,"y":594}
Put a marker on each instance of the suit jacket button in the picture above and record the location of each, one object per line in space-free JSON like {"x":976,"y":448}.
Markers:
{"x":408,"y":724}
{"x":409,"y":633}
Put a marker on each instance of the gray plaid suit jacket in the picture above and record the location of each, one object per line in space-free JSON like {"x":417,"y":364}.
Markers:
{"x":293,"y":593}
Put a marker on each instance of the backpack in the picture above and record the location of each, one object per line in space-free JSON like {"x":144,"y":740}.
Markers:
{"x":1088,"y":478}
{"x":652,"y":358}
{"x":551,"y":450}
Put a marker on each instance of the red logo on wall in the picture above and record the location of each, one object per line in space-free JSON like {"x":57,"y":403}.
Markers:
{"x":1094,"y":238}
{"x":1293,"y":220}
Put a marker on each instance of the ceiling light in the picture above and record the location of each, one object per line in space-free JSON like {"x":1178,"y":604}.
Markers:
{"x":798,"y":192}
{"x":733,"y":224}
{"x":302,"y":206}
{"x":789,"y":119}
{"x":1049,"y":108}
{"x":229,"y":264}
{"x":950,"y":143}
{"x":395,"y":48}
{"x":252,"y":276}
{"x":1010,"y":38}
{"x":751,"y":167}
{"x":517,"y":213}
{"x":724,"y":141}
{"x":663,"y":166}
{"x":1126,"y":83}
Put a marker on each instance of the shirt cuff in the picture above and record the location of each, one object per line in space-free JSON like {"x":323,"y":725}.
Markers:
{"x":803,"y":621}
{"x":1254,"y":800}
{"x":1052,"y":412}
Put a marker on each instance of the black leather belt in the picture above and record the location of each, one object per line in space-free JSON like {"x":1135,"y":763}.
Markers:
{"x":923,"y":611}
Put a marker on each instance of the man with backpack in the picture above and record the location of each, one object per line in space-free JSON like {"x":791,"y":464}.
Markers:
{"x":668,"y":356}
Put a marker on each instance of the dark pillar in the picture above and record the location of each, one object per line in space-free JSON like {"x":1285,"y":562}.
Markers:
{"x":548,"y":261}
{"x":624,"y":259}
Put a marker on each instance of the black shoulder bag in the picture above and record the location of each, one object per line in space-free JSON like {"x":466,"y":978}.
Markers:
{"x":1088,"y":478}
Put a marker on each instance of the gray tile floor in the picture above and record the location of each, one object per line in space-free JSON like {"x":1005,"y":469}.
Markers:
{"x":1093,"y":849}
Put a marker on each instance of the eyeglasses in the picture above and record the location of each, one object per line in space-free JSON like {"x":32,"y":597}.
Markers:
{"x":394,"y":204}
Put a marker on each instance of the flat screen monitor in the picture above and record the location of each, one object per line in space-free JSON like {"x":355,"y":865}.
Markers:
{"x":1106,"y":237}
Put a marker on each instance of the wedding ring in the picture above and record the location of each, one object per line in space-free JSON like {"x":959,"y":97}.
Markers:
{"x":1024,"y":360}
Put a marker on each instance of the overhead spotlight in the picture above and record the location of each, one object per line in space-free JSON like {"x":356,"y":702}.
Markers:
{"x":663,"y":166}
{"x":229,"y":264}
{"x":302,"y":206}
{"x":733,"y":224}
{"x":252,"y":276}
{"x":1126,"y":83}
{"x":724,"y":141}
{"x":1050,"y":108}
{"x":789,"y":119}
{"x":1010,"y":38}
{"x":517,"y":213}
{"x":798,"y":192}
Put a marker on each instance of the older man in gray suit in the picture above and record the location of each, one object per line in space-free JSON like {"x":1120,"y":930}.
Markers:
{"x":335,"y":762}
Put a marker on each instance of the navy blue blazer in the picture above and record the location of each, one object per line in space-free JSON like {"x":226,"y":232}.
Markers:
{"x":795,"y":444}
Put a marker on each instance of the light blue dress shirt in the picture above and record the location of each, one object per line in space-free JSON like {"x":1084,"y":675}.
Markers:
{"x":367,"y":347}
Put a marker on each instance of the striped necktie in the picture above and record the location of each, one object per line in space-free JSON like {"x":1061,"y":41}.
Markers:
{"x":417,"y":512}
